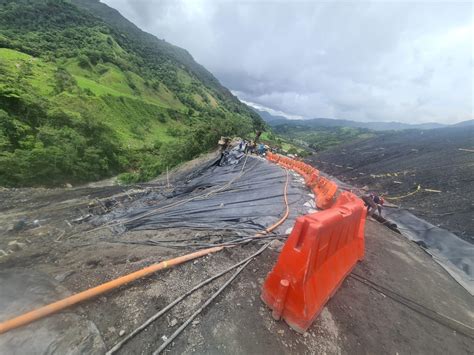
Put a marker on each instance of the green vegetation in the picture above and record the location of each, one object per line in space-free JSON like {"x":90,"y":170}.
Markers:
{"x":284,"y":145}
{"x":85,"y":97}
{"x":320,"y":138}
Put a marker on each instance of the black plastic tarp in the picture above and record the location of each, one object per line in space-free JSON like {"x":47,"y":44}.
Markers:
{"x":245,"y":196}
{"x":455,"y":255}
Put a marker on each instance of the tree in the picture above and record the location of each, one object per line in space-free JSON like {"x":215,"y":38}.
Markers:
{"x":84,"y":62}
{"x":64,"y":81}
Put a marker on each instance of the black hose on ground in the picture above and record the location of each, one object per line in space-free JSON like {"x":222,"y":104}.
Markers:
{"x":117,"y":346}
{"x":195,"y":314}
{"x":198,"y":245}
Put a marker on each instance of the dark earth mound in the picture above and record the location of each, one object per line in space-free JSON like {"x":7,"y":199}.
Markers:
{"x":440,"y":161}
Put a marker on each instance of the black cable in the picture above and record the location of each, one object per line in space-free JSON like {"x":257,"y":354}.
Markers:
{"x":117,"y":346}
{"x":243,"y":240}
{"x":196,"y":313}
{"x":446,"y":321}
{"x":206,"y":194}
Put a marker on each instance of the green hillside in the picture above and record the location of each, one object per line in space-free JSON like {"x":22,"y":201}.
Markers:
{"x":321,"y":138}
{"x":85,"y":94}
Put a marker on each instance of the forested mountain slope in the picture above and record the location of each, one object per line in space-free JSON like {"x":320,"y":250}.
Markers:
{"x":85,"y":94}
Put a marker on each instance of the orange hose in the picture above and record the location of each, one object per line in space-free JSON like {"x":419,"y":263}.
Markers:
{"x":57,"y":306}
{"x":95,"y":291}
{"x":285,"y":216}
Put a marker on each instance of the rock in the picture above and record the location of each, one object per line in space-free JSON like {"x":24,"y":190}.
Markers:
{"x":16,"y":246}
{"x":58,"y":334}
{"x":20,"y":225}
{"x":122,"y":333}
{"x":69,"y":186}
{"x":63,"y":276}
{"x":173,"y":322}
{"x":276,"y":245}
{"x":196,"y":322}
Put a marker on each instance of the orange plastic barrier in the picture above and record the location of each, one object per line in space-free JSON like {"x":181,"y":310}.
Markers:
{"x":301,"y":168}
{"x":320,"y":252}
{"x":312,"y":179}
{"x":325,"y":192}
{"x":324,"y":189}
{"x":272,"y":157}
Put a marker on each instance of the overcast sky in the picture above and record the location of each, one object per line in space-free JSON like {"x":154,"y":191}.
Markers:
{"x":368,"y":61}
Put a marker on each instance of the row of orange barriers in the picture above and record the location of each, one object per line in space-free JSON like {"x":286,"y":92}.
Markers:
{"x":320,"y":252}
{"x":325,"y":190}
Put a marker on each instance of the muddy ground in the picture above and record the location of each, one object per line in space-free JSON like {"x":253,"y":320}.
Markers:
{"x":357,"y":319}
{"x":441,"y":161}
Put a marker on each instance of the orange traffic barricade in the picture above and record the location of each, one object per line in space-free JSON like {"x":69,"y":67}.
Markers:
{"x":325,"y":192}
{"x":320,"y":252}
{"x":312,"y":179}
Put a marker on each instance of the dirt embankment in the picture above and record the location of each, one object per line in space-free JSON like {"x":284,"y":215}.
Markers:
{"x":441,"y":161}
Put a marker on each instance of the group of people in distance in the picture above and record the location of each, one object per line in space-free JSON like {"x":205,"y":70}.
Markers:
{"x":252,"y":147}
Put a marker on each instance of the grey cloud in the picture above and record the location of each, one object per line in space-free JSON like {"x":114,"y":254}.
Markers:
{"x":378,"y":60}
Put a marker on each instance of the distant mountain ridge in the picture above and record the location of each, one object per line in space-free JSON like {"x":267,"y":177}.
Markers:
{"x":274,"y":120}
{"x":467,"y":123}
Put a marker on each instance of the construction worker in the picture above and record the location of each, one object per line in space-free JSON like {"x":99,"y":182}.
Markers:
{"x":373,"y":203}
{"x":251,"y":147}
